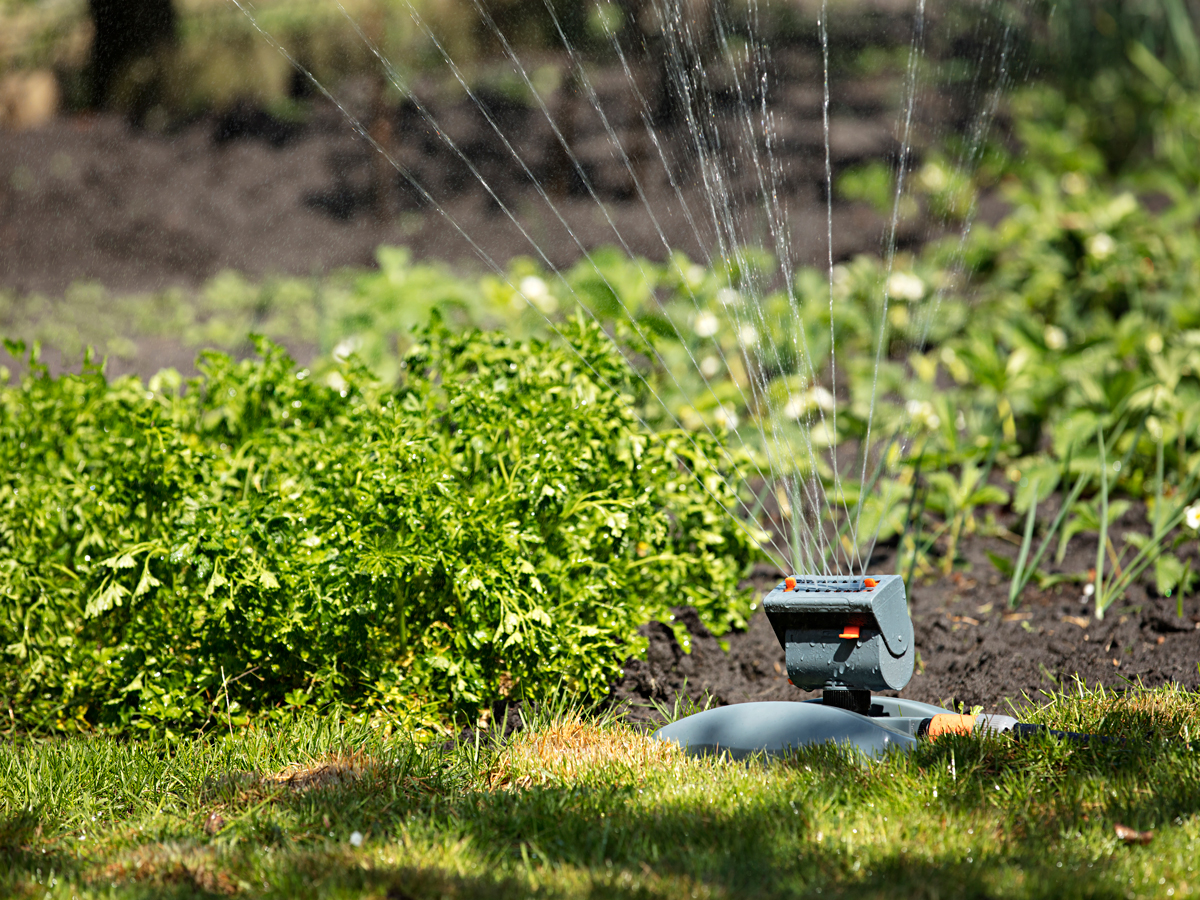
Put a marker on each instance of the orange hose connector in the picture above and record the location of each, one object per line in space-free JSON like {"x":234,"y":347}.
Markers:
{"x":950,"y":724}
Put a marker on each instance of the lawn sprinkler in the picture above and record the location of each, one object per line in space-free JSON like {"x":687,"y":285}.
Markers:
{"x":845,"y":636}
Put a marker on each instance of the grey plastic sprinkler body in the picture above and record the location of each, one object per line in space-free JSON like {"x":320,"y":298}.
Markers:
{"x":846,"y":636}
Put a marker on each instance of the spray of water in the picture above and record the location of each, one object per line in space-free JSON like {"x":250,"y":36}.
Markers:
{"x":738,"y":203}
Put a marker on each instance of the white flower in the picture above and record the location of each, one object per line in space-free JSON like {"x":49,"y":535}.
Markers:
{"x":1154,"y":344}
{"x":1055,"y":337}
{"x":933,"y":177}
{"x":800,"y":405}
{"x":536,"y":292}
{"x":533,"y":287}
{"x":728,"y":296}
{"x":842,"y":281}
{"x":346,"y":348}
{"x":823,"y":398}
{"x":1192,"y":517}
{"x":706,"y":325}
{"x":356,"y":838}
{"x":922,"y":414}
{"x":748,"y":335}
{"x":726,"y":417}
{"x":1101,"y":246}
{"x":905,"y":286}
{"x":694,"y":276}
{"x":710,"y":366}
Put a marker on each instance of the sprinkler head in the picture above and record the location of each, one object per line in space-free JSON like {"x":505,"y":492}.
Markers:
{"x":844,"y":635}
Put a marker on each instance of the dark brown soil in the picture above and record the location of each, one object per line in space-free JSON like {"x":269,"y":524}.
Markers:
{"x":972,"y":649}
{"x":92,"y":198}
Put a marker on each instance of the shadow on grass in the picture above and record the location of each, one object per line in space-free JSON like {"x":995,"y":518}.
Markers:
{"x":21,"y":854}
{"x":1046,"y":787}
{"x":290,"y":836}
{"x":600,"y":843}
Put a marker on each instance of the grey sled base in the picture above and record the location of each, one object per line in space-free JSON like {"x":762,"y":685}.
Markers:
{"x":776,"y":727}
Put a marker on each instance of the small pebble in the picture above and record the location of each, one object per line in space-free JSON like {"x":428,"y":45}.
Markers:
{"x":356,"y":838}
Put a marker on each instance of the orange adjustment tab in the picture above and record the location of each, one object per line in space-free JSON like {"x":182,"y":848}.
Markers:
{"x":850,"y":631}
{"x":869,"y":582}
{"x":789,"y":584}
{"x":950,"y":724}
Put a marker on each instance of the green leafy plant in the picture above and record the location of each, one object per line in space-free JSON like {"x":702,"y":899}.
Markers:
{"x":498,"y":525}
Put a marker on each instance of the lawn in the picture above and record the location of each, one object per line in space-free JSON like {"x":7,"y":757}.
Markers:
{"x":584,"y":805}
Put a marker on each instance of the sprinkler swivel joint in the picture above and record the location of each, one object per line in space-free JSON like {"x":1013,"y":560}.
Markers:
{"x":844,"y":635}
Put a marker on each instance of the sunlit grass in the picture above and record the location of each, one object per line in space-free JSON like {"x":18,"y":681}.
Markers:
{"x":584,"y":806}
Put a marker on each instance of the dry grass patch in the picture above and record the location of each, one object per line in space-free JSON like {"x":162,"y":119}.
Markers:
{"x":338,"y":770}
{"x":172,"y":865}
{"x":569,"y":749}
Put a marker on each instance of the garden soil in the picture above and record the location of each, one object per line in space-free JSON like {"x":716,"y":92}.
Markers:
{"x":92,"y":198}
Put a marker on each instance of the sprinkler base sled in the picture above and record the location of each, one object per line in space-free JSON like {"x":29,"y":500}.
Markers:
{"x":779,"y":727}
{"x":776,"y":728}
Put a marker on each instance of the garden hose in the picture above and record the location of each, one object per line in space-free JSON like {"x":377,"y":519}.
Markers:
{"x":949,"y":723}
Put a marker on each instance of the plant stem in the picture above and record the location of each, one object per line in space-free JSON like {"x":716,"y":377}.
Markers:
{"x":912,"y":566}
{"x":1100,"y":602}
{"x":1018,"y":583}
{"x":1158,"y":483}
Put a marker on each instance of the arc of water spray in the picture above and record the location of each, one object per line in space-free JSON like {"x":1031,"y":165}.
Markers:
{"x":978,"y":133}
{"x":492,"y":264}
{"x":781,"y":233}
{"x":914,"y":52}
{"x":718,"y":195}
{"x":644,"y":113}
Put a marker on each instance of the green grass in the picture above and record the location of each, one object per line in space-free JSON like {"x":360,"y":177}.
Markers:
{"x":589,"y":807}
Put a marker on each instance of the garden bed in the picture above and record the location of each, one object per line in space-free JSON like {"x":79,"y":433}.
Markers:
{"x":973,"y":650}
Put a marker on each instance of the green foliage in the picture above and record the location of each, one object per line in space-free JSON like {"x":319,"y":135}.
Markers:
{"x":496,"y":524}
{"x":873,"y":183}
{"x":1123,"y":65}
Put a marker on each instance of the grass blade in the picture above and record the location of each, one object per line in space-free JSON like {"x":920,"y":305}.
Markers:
{"x":1018,"y":580}
{"x":1100,"y":599}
